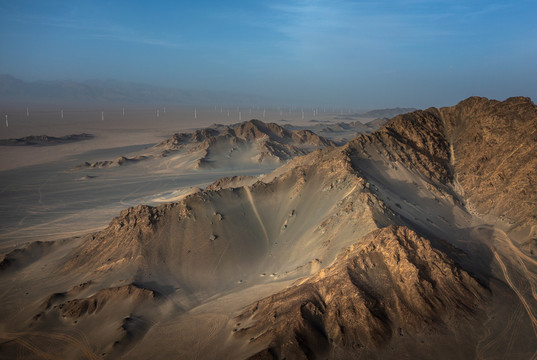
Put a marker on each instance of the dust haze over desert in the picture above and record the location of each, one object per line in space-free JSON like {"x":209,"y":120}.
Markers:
{"x":268,"y":180}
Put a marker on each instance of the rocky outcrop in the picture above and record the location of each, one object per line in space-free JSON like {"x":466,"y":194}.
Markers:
{"x":495,"y":155}
{"x":223,"y":146}
{"x":387,"y":113}
{"x":178,"y":140}
{"x":123,"y":243}
{"x":120,"y":161}
{"x":24,"y":256}
{"x":389,"y":285}
{"x":44,"y":140}
{"x":488,"y":146}
{"x":375,"y":124}
{"x":268,"y":142}
{"x":232,"y":182}
{"x":416,"y":140}
{"x":79,"y":307}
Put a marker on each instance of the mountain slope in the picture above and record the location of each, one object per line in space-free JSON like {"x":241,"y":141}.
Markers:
{"x":111,"y":92}
{"x":298,"y":322}
{"x":365,"y":250}
{"x":248,"y":142}
{"x":495,"y":155}
{"x":390,"y":287}
{"x":485,"y":149}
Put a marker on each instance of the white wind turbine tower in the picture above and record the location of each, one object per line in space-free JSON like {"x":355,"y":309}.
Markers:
{"x":195,"y":113}
{"x":158,"y":114}
{"x":7,"y":123}
{"x":27,"y":112}
{"x":102,"y":115}
{"x":61,"y":112}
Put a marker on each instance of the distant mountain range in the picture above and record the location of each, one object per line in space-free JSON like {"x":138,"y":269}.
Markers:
{"x":386,"y":113}
{"x":97,"y":92}
{"x":112,"y":92}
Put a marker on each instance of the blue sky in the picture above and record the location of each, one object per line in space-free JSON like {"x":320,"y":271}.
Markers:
{"x":362,"y":54}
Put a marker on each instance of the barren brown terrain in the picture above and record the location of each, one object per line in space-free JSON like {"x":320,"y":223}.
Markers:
{"x":413,"y":241}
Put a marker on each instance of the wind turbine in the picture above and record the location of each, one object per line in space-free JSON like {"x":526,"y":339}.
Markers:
{"x":62,"y":113}
{"x":123,"y":111}
{"x":158,"y":113}
{"x":7,"y":123}
{"x":27,"y":112}
{"x":195,"y":113}
{"x":102,"y":115}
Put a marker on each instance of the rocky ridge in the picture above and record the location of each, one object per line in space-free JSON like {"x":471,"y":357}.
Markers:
{"x":249,"y":142}
{"x":45,"y":140}
{"x":270,"y":142}
{"x":391,"y":285}
{"x":495,"y":156}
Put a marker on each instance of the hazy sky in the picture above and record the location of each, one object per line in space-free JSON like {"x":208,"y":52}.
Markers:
{"x":356,"y":53}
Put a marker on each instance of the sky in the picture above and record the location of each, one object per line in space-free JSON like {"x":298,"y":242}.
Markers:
{"x":362,"y":54}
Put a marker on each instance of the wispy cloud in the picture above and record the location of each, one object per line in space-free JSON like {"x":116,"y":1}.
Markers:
{"x":98,"y":30}
{"x":388,"y":22}
{"x":126,"y":36}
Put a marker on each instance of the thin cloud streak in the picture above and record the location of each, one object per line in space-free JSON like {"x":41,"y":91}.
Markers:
{"x":387,"y":23}
{"x":92,"y":30}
